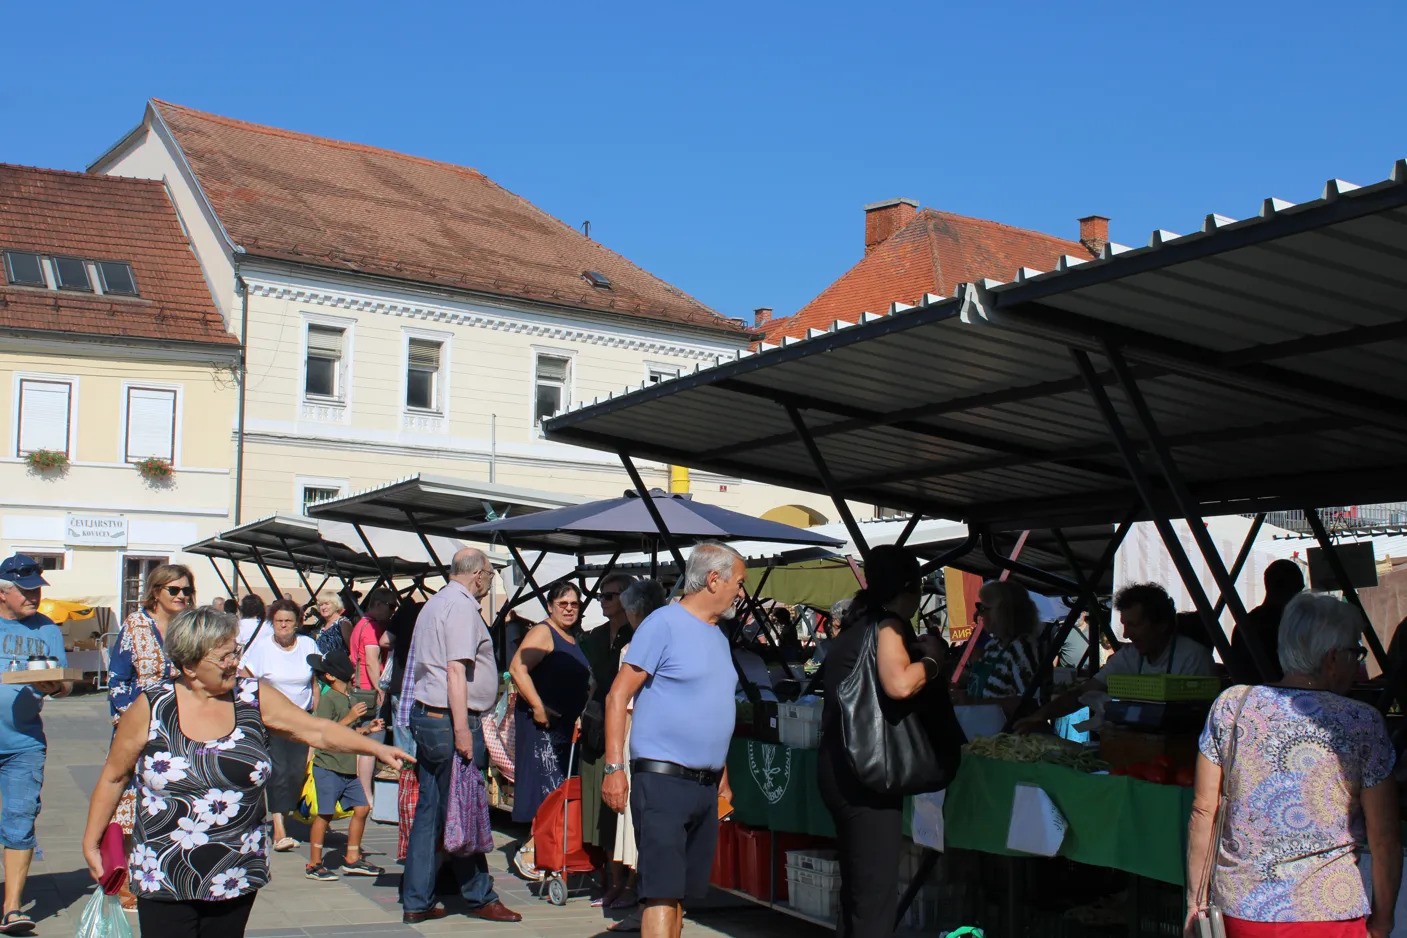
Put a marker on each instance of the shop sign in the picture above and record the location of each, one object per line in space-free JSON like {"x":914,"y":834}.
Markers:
{"x":95,"y":530}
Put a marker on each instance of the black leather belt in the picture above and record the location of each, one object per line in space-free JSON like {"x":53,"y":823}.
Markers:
{"x":438,"y":712}
{"x":702,"y":776}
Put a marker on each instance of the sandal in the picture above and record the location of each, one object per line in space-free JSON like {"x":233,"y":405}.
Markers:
{"x":285,"y":844}
{"x":630,"y":923}
{"x":16,"y":923}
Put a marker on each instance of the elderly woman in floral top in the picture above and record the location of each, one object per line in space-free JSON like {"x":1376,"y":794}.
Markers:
{"x":1309,"y":780}
{"x":197,"y":747}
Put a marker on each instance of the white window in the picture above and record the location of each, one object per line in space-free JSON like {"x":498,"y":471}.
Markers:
{"x":44,"y":416}
{"x":312,"y":494}
{"x":48,"y":560}
{"x":422,"y":380}
{"x":553,"y":379}
{"x":151,"y":424}
{"x":655,"y":374}
{"x":324,"y":375}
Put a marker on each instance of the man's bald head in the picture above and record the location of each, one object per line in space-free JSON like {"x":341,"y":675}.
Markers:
{"x":468,"y":560}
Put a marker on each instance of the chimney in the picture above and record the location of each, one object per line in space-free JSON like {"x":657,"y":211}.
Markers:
{"x":1094,"y":234}
{"x":761,"y":317}
{"x":882,"y":219}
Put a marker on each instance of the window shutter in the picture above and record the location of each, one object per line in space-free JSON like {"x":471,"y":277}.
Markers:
{"x":425,"y":354}
{"x":551,"y":368}
{"x":44,"y":415}
{"x":151,"y":424}
{"x":325,"y":341}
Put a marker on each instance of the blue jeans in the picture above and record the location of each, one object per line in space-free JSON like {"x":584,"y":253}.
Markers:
{"x":434,"y":741}
{"x":21,"y":778}
{"x":401,"y":736}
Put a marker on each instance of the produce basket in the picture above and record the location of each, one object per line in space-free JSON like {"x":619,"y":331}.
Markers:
{"x":1163,"y":687}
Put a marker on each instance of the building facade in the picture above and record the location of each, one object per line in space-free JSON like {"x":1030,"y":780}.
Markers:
{"x":403,"y":315}
{"x":117,"y":380}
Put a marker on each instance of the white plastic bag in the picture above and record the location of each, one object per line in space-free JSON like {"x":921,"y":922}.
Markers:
{"x":1037,"y":826}
{"x":928,"y":820}
{"x":103,"y":918}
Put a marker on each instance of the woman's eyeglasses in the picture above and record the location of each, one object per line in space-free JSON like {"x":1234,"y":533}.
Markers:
{"x":567,"y":605}
{"x":224,"y":660}
{"x":1358,"y":651}
{"x":187,"y":591}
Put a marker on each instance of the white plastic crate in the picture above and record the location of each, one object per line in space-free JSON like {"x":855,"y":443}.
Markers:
{"x":812,"y":893}
{"x":818,"y":861}
{"x":799,"y":734}
{"x":799,"y":711}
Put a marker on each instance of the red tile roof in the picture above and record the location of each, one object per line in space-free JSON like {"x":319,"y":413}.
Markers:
{"x":104,"y":218}
{"x":931,"y":254}
{"x":351,"y":207}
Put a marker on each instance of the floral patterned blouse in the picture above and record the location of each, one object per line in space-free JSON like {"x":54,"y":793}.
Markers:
{"x":138,"y":661}
{"x":1294,"y":820}
{"x":200,"y":832}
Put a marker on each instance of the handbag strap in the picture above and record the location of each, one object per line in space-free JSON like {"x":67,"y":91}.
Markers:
{"x":1223,"y":798}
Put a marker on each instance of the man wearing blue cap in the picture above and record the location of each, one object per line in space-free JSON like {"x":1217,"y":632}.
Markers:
{"x":24,"y":632}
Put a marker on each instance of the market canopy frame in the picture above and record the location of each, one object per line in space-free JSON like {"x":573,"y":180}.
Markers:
{"x":1256,"y":365}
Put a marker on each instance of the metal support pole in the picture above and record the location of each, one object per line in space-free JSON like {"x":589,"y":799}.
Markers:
{"x":1144,"y":485}
{"x":223,"y":582}
{"x":1189,"y":509}
{"x":240,"y":574}
{"x":273,"y":585}
{"x":382,"y":573}
{"x":908,"y":529}
{"x":828,"y":480}
{"x":1241,"y":558}
{"x":425,"y":542}
{"x":653,"y":510}
{"x":1011,"y":564}
{"x":297,"y":567}
{"x":948,"y":556}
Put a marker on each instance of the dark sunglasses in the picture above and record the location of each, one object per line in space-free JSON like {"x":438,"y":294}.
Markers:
{"x":186,"y":591}
{"x":611,"y":595}
{"x":24,"y":572}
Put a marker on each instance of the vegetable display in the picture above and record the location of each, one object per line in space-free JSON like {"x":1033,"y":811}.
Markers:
{"x":1012,"y":748}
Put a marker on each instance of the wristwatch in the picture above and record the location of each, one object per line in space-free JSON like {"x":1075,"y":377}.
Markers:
{"x":611,"y":768}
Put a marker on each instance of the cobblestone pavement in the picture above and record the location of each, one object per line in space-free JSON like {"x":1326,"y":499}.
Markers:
{"x":295,"y":907}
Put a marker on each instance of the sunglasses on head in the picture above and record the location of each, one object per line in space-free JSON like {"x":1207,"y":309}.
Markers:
{"x":186,"y":591}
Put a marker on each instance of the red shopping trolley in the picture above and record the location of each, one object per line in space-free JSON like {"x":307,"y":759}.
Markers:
{"x":560,"y":850}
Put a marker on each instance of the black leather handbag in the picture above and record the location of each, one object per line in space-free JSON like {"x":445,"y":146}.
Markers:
{"x":899,"y":747}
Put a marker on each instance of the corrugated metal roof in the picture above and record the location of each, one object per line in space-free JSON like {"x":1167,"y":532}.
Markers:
{"x":1269,"y":350}
{"x":438,"y":504}
{"x":288,"y":543}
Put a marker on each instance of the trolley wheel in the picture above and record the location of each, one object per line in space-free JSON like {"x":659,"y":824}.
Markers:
{"x":557,"y":891}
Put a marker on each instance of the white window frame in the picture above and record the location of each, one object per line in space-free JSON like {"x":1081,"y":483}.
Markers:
{"x":345,"y":376}
{"x":653,"y":368}
{"x":442,"y":378}
{"x":177,"y":422}
{"x":315,"y":482}
{"x":538,"y":352}
{"x":65,"y":554}
{"x":72,"y":382}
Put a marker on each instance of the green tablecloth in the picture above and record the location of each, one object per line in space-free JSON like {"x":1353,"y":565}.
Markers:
{"x":1115,"y":822}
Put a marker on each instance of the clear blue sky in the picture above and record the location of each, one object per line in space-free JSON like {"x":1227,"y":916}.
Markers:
{"x":729,"y":147}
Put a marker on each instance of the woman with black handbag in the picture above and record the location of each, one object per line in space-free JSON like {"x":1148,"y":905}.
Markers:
{"x":887,"y":730}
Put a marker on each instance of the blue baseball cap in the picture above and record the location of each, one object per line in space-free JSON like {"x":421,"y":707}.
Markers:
{"x":23,"y":571}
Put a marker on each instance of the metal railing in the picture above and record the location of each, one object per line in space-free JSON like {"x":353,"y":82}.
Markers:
{"x":1341,"y":517}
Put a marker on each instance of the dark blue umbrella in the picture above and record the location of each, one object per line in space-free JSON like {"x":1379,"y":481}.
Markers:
{"x":623,"y":524}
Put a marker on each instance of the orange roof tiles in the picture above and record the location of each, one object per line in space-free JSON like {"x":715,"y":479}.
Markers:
{"x":351,"y":207}
{"x":104,"y":218}
{"x":933,"y":253}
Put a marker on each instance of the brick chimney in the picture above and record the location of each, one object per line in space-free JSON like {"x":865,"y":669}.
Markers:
{"x":761,"y":317}
{"x":882,"y":219}
{"x":1094,"y":233}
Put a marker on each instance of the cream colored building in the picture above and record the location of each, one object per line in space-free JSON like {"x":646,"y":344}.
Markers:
{"x":111,"y":352}
{"x":404,"y":316}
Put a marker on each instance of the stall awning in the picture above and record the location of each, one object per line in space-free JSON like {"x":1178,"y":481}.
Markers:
{"x":1268,"y":350}
{"x":436,"y":505}
{"x":287,"y":543}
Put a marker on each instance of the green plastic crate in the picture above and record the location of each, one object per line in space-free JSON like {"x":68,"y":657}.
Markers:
{"x":1163,"y":687}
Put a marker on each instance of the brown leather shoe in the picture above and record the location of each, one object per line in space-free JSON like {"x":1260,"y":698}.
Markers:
{"x":429,"y":915}
{"x":495,"y":911}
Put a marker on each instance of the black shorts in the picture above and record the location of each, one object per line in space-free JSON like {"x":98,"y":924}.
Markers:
{"x":676,"y":832}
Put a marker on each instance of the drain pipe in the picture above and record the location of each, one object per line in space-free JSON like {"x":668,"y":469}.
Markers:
{"x":242,"y":289}
{"x":493,"y":448}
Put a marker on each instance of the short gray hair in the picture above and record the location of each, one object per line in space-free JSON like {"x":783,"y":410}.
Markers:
{"x":1313,"y":626}
{"x":468,"y":560}
{"x":642,"y":597}
{"x":195,"y":632}
{"x":839,"y":608}
{"x":6,"y":584}
{"x":708,"y":557}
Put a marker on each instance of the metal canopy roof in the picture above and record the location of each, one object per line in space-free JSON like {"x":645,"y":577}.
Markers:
{"x":1269,"y":351}
{"x":294,"y":543}
{"x":438,"y":505}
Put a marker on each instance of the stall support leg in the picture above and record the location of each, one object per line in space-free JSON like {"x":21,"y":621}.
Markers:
{"x":223,"y":582}
{"x":297,"y":567}
{"x":828,"y":480}
{"x":1146,"y":493}
{"x":653,"y":510}
{"x":1188,"y":507}
{"x":500,"y":619}
{"x":908,"y":531}
{"x":1241,"y":558}
{"x":425,"y":542}
{"x":384,"y":574}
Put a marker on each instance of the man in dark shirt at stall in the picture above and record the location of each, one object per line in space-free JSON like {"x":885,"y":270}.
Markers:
{"x":1283,"y":582}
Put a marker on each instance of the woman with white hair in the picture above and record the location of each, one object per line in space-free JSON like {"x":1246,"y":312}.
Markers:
{"x":1291,"y":779}
{"x":1006,"y":665}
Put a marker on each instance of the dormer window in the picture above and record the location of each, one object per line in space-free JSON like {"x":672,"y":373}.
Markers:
{"x":71,"y":273}
{"x":23,"y":269}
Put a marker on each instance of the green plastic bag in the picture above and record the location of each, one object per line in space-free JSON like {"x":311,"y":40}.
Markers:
{"x":967,"y":931}
{"x":103,"y":918}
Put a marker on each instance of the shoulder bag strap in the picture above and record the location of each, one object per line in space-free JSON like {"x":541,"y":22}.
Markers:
{"x":1223,"y":798}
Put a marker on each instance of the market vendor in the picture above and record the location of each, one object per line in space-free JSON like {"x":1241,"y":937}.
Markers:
{"x":1154,"y":647}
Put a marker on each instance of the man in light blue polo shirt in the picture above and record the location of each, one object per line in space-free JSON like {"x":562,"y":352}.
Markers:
{"x":679,"y":670}
{"x":23,"y":632}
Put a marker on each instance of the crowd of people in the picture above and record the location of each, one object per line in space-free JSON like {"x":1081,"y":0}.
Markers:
{"x":216,"y":737}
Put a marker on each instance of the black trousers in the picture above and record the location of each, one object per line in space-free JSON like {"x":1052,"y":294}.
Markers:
{"x":870,"y":833}
{"x":225,"y":918}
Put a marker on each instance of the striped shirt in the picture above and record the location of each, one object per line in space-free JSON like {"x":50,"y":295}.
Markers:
{"x":1002,"y":670}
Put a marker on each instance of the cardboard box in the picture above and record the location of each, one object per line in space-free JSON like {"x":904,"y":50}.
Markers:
{"x":40,"y":676}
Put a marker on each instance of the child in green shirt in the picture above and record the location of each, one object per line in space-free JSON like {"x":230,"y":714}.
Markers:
{"x":335,"y":773}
